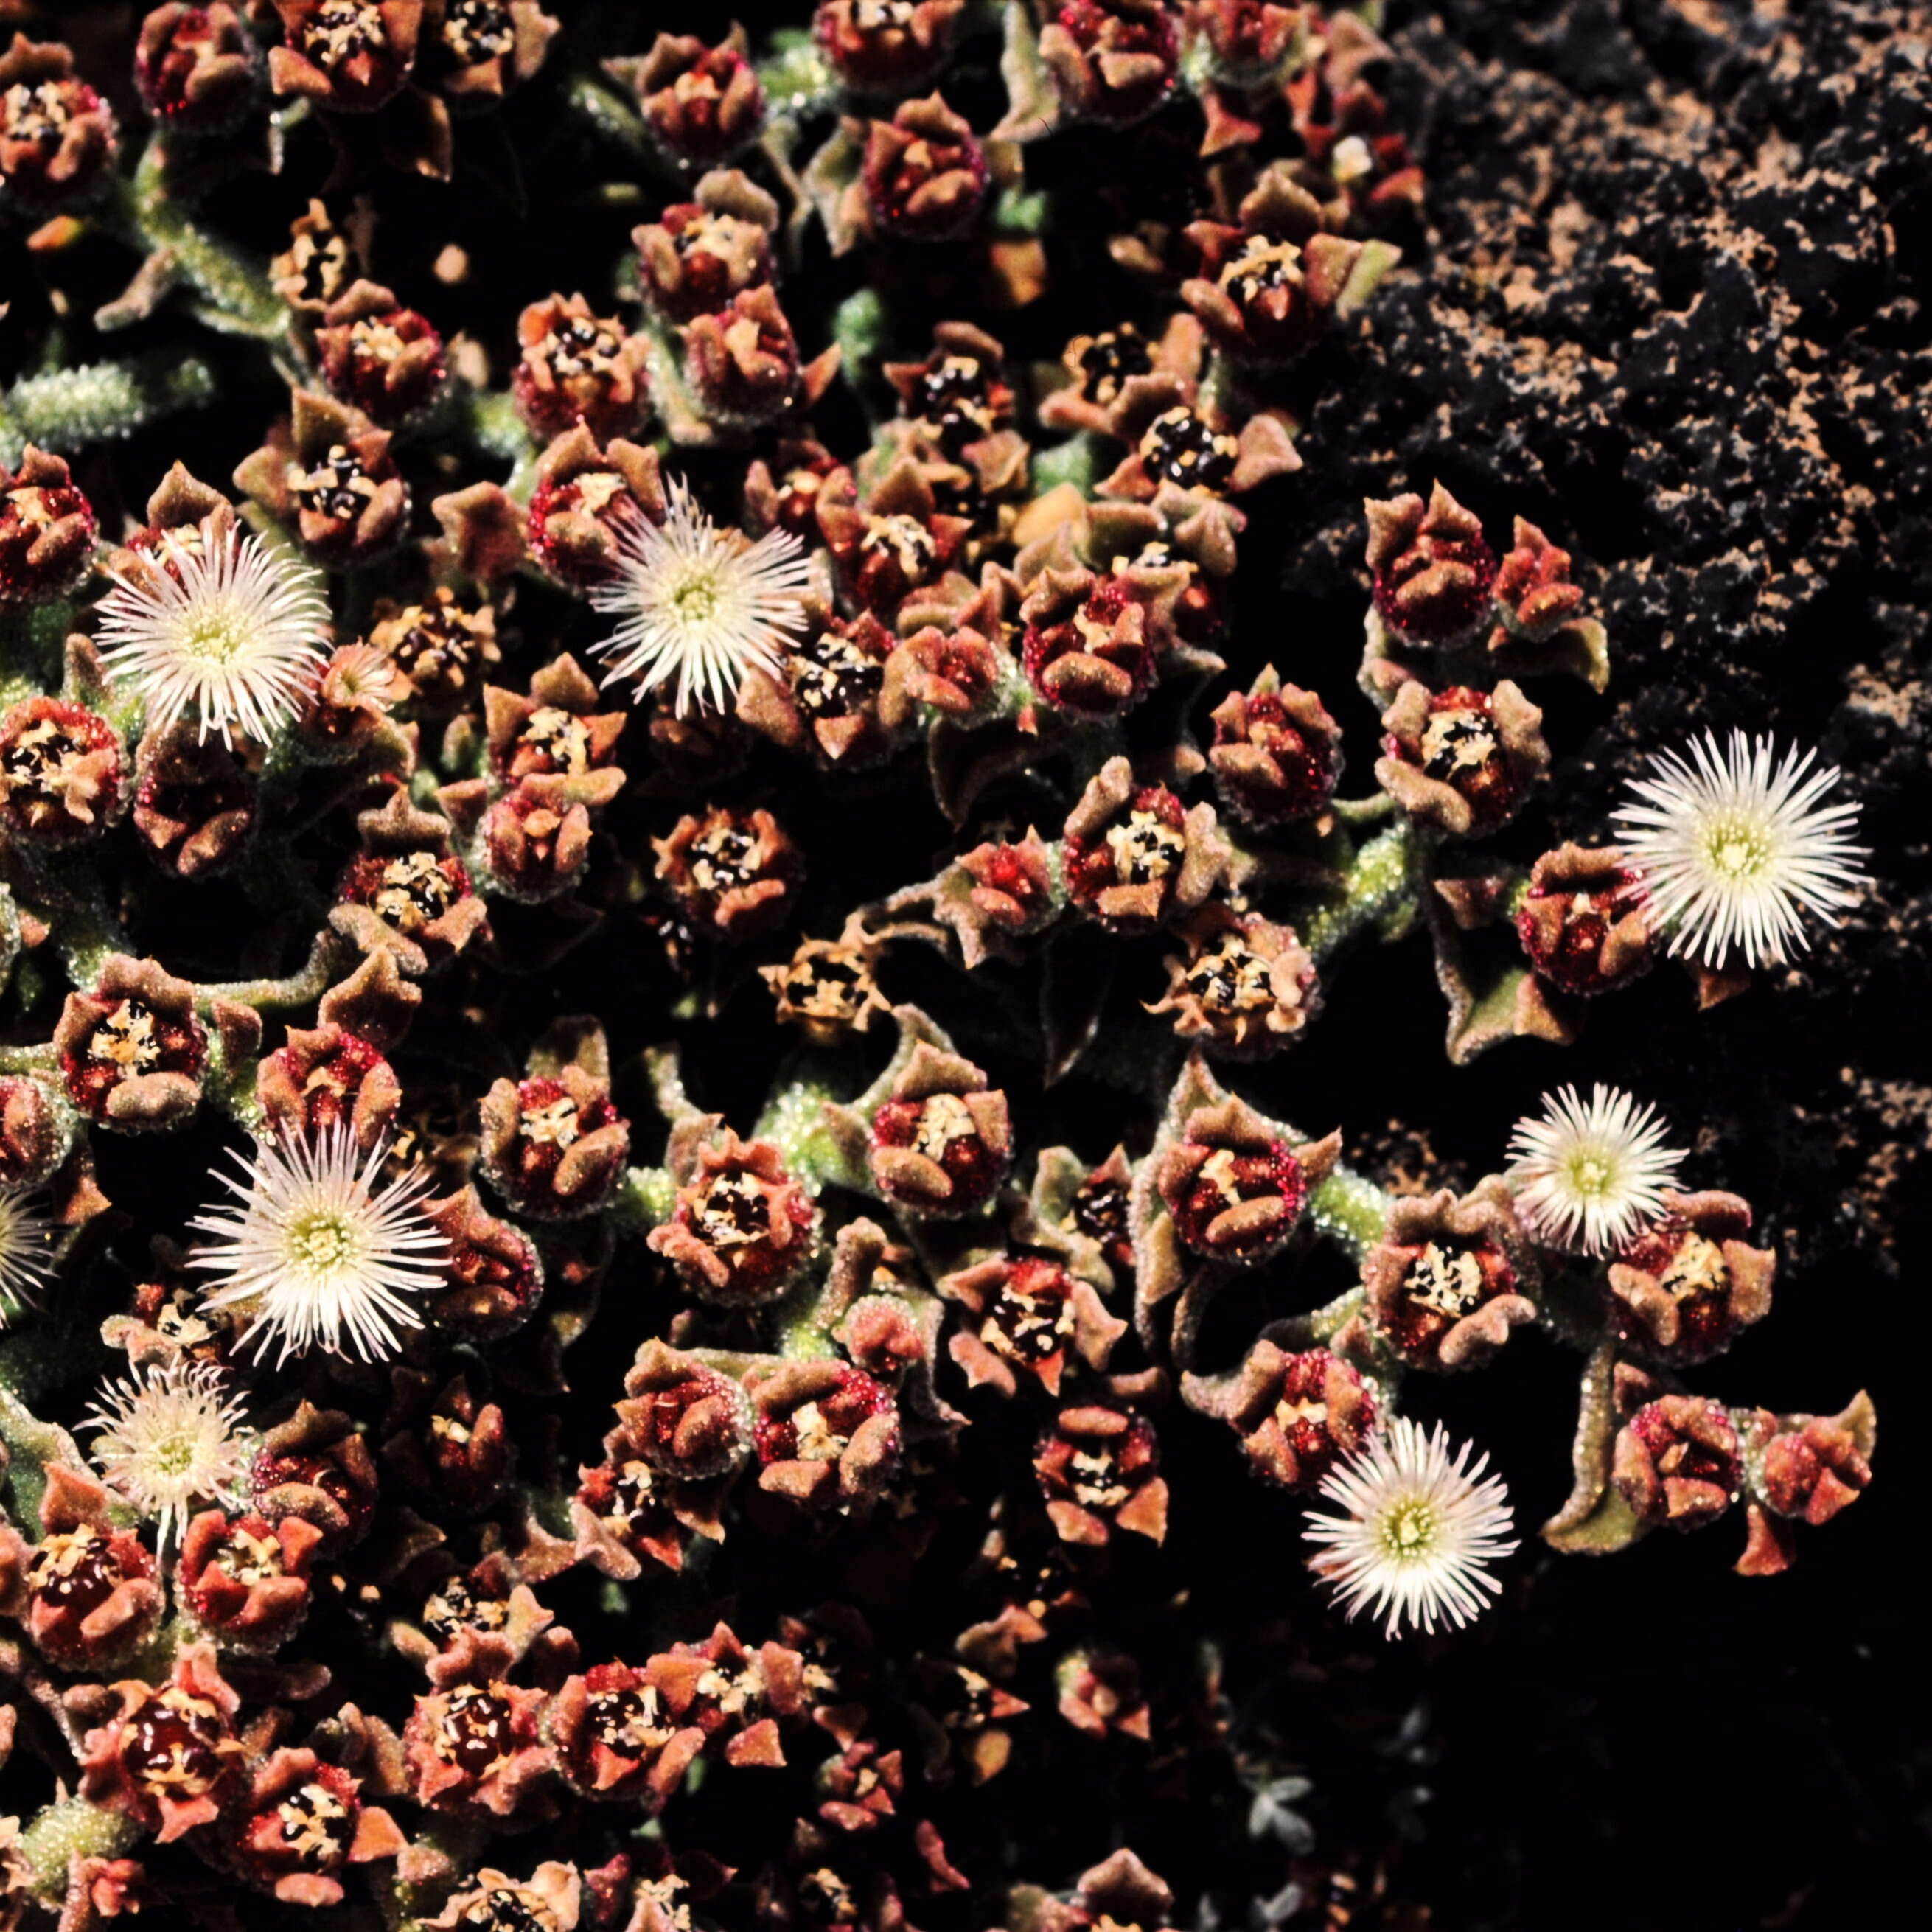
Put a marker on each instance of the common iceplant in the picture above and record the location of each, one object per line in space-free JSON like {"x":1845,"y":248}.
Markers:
{"x":317,"y":831}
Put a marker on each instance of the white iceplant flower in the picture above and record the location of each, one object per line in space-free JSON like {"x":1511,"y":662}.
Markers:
{"x":26,"y":1249}
{"x":318,"y":1251}
{"x":698,"y":604}
{"x":220,"y":628}
{"x":170,"y":1438}
{"x":1735,"y":848}
{"x":1417,"y":1532}
{"x":1590,"y":1174}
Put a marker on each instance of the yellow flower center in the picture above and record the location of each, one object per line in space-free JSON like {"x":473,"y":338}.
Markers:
{"x":1409,"y":1530}
{"x":321,"y":1242}
{"x":1735,"y":848}
{"x":1591,"y":1175}
{"x":215,"y":636}
{"x":695,"y":600}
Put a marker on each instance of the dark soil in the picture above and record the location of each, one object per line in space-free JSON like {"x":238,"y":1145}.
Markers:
{"x":1674,"y":307}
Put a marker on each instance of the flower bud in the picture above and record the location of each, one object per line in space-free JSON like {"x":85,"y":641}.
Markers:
{"x":245,"y":1580}
{"x":1534,"y":595}
{"x":684,"y":1419}
{"x":194,"y":803}
{"x":449,"y":1448}
{"x":1235,"y":1191}
{"x":578,"y":368}
{"x":316,"y":1466}
{"x":379,"y":357}
{"x":1300,"y":1415}
{"x":1098,"y":1469}
{"x":36,"y":1131}
{"x":955,"y":673}
{"x":699,"y":254}
{"x":1689,"y":1284}
{"x":534,"y":842}
{"x":875,"y":48}
{"x":1101,"y":1693}
{"x":1811,"y":1467}
{"x":1276,"y":754}
{"x":827,"y":1436}
{"x":1111,"y":60}
{"x":897,"y":542}
{"x":353,"y":694}
{"x":1678,"y":1460}
{"x":351,"y":56}
{"x":924,"y":173}
{"x":47,"y":528}
{"x":132,"y":1051}
{"x":168,"y":1757}
{"x":1461,"y":759}
{"x":940,"y":1144}
{"x":702,"y":103}
{"x":1092,"y":644}
{"x":61,"y":768}
{"x":1582,"y":922}
{"x":57,"y":135}
{"x":742,"y":360}
{"x":743,"y":1228}
{"x":195,"y":67}
{"x":554,"y":1147}
{"x":324,"y":1076}
{"x":495,"y":1274}
{"x":1433,"y":572}
{"x":583,"y":493}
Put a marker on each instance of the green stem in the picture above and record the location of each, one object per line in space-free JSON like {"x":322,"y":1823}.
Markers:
{"x":1349,"y":1209}
{"x":1077,"y":461}
{"x":609,"y":115}
{"x":298,"y":989}
{"x":236,"y":286}
{"x":644,"y":1199}
{"x":31,"y":638}
{"x":1379,"y":887}
{"x":86,"y":933}
{"x":31,"y":1443}
{"x":101,"y":402}
{"x":494,"y":426}
{"x":794,"y":1121}
{"x":1327,"y":1321}
{"x":67,"y":1829}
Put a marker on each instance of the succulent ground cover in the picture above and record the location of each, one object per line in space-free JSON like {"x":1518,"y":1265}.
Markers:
{"x":926,"y":929}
